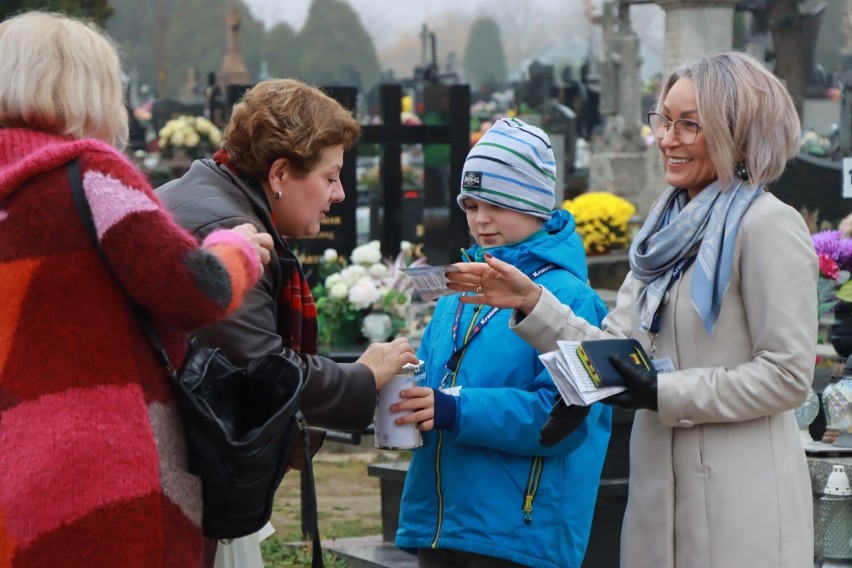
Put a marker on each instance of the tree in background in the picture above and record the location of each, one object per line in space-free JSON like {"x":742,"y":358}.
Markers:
{"x":96,"y":10}
{"x":140,"y":28}
{"x":335,"y":48}
{"x":164,"y":39}
{"x":484,"y":60}
{"x":203,"y":43}
{"x":281,"y":52}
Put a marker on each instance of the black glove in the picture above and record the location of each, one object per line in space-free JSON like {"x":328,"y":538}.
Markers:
{"x":641,"y":386}
{"x":563,"y":420}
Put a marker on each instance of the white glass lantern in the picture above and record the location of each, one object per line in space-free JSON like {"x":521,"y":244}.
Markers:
{"x":377,"y":327}
{"x":837,"y":400}
{"x":836,"y":520}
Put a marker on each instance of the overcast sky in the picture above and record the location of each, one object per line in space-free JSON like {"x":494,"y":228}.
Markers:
{"x":396,"y":16}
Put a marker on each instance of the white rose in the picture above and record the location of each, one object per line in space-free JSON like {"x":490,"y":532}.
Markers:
{"x":367,"y":254}
{"x":352,"y":273}
{"x":339,"y":291}
{"x":379,"y":271}
{"x":178,"y":138}
{"x":405,"y":246}
{"x":329,"y":255}
{"x":363,"y":294}
{"x":334,"y":279}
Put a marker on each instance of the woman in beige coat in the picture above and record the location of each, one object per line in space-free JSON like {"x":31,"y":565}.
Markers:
{"x":722,"y":294}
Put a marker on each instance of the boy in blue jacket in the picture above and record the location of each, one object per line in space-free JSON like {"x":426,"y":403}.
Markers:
{"x":495,"y":484}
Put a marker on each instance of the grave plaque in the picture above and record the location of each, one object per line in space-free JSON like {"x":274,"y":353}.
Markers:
{"x":163,"y":110}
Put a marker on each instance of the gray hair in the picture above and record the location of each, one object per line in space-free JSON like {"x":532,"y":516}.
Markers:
{"x":746,"y":114}
{"x":62,"y":76}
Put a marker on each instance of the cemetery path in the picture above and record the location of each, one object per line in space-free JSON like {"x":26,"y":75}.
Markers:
{"x":348,"y":499}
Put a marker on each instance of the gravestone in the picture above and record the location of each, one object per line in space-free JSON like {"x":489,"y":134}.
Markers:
{"x":560,"y":122}
{"x":714,"y":19}
{"x":618,"y":163}
{"x":431,"y":218}
{"x":163,"y":110}
{"x":233,"y":70}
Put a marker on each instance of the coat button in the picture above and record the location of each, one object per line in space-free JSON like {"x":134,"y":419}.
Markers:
{"x":684,"y":423}
{"x":666,"y":298}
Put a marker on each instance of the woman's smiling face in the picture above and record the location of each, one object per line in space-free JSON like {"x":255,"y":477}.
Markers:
{"x":687,"y":165}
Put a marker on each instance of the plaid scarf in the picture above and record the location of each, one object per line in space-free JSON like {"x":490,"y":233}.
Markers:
{"x":297,"y":312}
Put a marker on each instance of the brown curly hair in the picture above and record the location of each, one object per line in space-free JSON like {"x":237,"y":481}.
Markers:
{"x":285,"y":118}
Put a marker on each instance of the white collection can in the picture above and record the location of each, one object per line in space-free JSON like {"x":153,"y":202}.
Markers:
{"x":389,"y":435}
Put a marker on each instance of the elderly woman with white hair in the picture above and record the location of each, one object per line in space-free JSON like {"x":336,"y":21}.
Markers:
{"x":722,"y":293}
{"x":93,"y":467}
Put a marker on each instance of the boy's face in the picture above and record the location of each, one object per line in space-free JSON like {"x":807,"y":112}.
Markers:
{"x":494,"y":226}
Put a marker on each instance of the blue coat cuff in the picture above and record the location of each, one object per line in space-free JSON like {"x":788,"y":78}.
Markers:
{"x":445,"y":410}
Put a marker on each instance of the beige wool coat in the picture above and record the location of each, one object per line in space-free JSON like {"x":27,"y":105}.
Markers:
{"x":718,"y":477}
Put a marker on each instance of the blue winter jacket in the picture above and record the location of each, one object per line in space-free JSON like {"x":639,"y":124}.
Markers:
{"x":488,"y":486}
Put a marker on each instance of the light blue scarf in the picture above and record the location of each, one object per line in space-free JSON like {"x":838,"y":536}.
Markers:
{"x":675,"y":229}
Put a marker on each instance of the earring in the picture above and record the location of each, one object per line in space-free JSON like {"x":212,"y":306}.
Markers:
{"x":741,"y":171}
{"x":277,"y":194}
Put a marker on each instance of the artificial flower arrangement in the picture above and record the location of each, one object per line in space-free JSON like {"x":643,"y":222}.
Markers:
{"x":834,"y":251}
{"x":195,"y":135}
{"x":602,"y":220}
{"x":351,"y":289}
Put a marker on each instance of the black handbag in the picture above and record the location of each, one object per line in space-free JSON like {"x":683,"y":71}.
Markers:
{"x":239,"y":423}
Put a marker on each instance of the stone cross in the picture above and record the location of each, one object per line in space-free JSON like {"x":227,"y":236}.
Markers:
{"x":233,"y":70}
{"x":622,"y":89}
{"x":233,"y":21}
{"x":715,"y":19}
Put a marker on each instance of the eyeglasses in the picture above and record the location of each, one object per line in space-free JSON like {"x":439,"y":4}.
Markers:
{"x":685,"y":129}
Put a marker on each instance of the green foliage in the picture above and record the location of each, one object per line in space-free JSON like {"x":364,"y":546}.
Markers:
{"x":335,"y":47}
{"x":96,"y":10}
{"x":484,"y":58}
{"x":281,"y":50}
{"x":280,"y":555}
{"x":197,"y":38}
{"x":163,"y":39}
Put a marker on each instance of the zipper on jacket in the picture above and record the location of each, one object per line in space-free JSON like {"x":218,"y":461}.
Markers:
{"x":438,"y":489}
{"x":532,"y":487}
{"x":441,"y":437}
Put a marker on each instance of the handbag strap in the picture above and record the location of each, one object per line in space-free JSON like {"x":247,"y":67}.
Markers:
{"x":140,"y":312}
{"x":144,"y":319}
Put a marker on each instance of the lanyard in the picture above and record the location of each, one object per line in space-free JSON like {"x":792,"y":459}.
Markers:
{"x":679,"y":269}
{"x":475,"y":328}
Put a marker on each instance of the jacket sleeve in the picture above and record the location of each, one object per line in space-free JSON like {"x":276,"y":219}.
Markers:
{"x":484,"y":412}
{"x":551,"y":321}
{"x":148,"y":251}
{"x":335,"y":395}
{"x":778,"y":268}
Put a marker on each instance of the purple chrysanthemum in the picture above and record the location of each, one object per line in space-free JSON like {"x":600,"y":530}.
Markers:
{"x":845,"y":254}
{"x":835,"y":246}
{"x":828,"y":243}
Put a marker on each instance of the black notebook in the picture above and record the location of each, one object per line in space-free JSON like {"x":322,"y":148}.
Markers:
{"x":595,"y":357}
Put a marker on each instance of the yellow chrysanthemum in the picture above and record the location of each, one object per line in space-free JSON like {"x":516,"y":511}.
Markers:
{"x":195,"y":134}
{"x":602,"y":220}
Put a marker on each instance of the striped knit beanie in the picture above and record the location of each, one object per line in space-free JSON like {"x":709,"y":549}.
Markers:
{"x":511,"y":166}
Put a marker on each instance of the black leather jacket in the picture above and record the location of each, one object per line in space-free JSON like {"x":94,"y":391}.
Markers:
{"x":339,"y":396}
